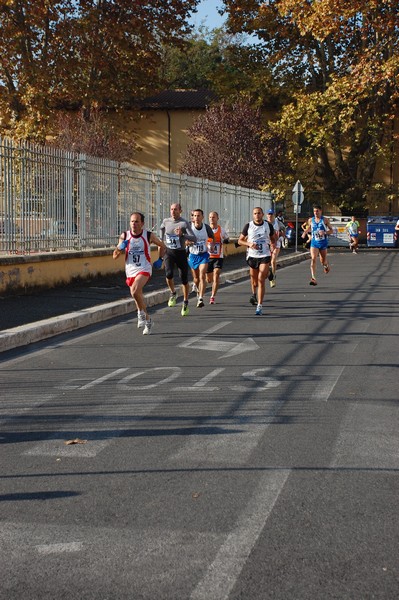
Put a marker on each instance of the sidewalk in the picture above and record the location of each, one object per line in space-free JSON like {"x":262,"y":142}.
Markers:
{"x":30,"y":318}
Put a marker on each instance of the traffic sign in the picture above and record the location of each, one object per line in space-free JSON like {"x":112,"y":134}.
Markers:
{"x":297,"y":195}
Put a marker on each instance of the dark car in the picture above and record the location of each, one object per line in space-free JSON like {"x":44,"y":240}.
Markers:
{"x":290,"y":235}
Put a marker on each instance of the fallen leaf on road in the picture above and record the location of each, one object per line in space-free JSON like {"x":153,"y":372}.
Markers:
{"x":75,"y":441}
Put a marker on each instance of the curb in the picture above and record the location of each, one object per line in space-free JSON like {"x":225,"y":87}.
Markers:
{"x":41,"y":330}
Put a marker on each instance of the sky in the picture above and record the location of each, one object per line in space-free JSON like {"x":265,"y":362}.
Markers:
{"x":207,"y":12}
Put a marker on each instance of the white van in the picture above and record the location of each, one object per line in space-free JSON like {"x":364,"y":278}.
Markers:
{"x":340,"y":235}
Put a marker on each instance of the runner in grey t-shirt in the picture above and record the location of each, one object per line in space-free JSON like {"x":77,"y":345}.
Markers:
{"x":175,"y":230}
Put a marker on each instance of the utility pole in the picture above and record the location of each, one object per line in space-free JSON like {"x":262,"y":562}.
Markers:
{"x":297,"y":199}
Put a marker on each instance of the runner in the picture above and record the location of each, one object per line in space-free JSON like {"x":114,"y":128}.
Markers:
{"x":280,"y":216}
{"x":135,"y":243}
{"x":280,"y":234}
{"x":353,"y":231}
{"x":215,"y":249}
{"x":259,"y":237}
{"x":320,"y":228}
{"x":199,"y":257}
{"x":174,"y":232}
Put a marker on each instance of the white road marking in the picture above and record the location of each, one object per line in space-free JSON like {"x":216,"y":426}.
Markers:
{"x":322,"y":389}
{"x":201,"y":342}
{"x":102,"y":379}
{"x":59,"y":548}
{"x":202,"y":382}
{"x":90,"y":449}
{"x":224,"y":571}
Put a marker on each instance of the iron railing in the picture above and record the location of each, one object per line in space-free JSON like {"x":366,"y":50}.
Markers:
{"x":54,"y":200}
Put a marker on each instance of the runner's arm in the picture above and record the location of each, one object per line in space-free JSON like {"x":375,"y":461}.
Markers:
{"x":243,"y":239}
{"x":120,"y":247}
{"x":306,"y":228}
{"x":330,"y":230}
{"x":187,"y":233}
{"x":209,"y":231}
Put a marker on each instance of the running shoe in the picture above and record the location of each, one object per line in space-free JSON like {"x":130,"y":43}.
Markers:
{"x":200,"y":303}
{"x":184,"y":309}
{"x":212,"y":300}
{"x":253,"y":300}
{"x":354,"y":251}
{"x":147,"y":328}
{"x":172,"y":300}
{"x":140,"y":320}
{"x":326,"y":268}
{"x":194,"y":288}
{"x":259,"y":310}
{"x":313,"y":281}
{"x":273,"y":283}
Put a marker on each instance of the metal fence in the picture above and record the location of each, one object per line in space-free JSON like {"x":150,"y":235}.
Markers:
{"x":54,"y":200}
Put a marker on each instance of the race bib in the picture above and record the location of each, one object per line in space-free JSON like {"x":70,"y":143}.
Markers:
{"x":214,"y":247}
{"x":173,"y":242}
{"x":198,"y":248}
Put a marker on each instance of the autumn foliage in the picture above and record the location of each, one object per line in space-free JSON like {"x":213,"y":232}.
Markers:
{"x":230,"y":144}
{"x":80,"y":53}
{"x":339,"y":61}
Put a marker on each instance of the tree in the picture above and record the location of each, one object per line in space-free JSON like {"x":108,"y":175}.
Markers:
{"x":221,"y":62}
{"x":95,"y":136}
{"x":340,"y":62}
{"x":230,"y":144}
{"x":81,"y":53}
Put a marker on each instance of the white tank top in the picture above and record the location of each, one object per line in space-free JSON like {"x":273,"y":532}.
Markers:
{"x":200,"y":245}
{"x":137,"y":254}
{"x":261,"y":235}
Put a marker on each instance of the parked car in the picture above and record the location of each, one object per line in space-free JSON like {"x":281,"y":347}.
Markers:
{"x":290,"y":233}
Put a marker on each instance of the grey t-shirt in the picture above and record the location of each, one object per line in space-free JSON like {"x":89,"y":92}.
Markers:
{"x":169,"y":236}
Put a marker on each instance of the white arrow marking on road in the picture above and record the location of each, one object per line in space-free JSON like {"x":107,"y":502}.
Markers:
{"x":230,"y":348}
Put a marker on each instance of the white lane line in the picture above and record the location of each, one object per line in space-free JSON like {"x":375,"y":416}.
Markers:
{"x":323,"y":388}
{"x":59,"y":548}
{"x":361,"y":329}
{"x":224,"y":571}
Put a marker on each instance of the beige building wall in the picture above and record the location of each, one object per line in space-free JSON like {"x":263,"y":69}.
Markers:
{"x":162,"y":138}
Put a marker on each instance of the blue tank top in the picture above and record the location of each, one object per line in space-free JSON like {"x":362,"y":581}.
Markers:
{"x":319,"y":235}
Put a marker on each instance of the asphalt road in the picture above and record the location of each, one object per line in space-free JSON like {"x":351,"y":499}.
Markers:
{"x":226,"y":456}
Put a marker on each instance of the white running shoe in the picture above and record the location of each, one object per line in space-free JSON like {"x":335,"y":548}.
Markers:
{"x":140,"y":320}
{"x":147,"y":328}
{"x":194,"y":288}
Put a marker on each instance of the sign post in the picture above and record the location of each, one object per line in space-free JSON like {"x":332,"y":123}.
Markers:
{"x":297,"y":199}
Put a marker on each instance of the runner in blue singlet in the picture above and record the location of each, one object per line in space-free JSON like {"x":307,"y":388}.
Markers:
{"x":319,"y":227}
